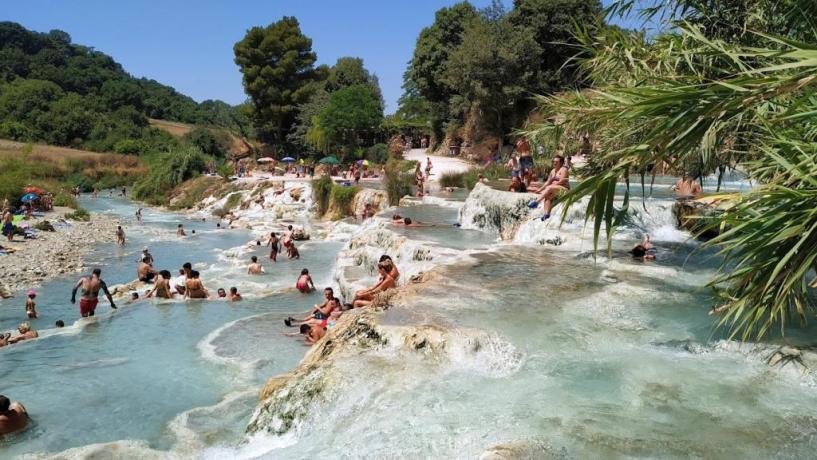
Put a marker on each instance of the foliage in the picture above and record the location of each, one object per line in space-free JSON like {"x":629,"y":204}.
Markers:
{"x":277,"y":63}
{"x":342,"y":199}
{"x":378,"y":153}
{"x":210,"y":142}
{"x":708,"y":99}
{"x":321,"y":191}
{"x":350,"y":113}
{"x":79,"y":214}
{"x":398,"y":180}
{"x":468,"y":179}
{"x":54,"y":91}
{"x":166,"y":171}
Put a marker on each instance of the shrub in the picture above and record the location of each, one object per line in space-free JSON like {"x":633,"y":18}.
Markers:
{"x":342,"y":200}
{"x":220,"y":212}
{"x":321,"y":190}
{"x":79,"y":214}
{"x":65,"y":199}
{"x":232,"y":201}
{"x":397,"y":181}
{"x":453,"y":179}
{"x":128,"y":147}
{"x":378,"y":153}
{"x":167,"y":170}
{"x":225,"y":170}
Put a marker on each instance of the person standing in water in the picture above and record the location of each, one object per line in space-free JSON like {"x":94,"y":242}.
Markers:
{"x":31,"y":307}
{"x":274,"y":247}
{"x":255,"y":268}
{"x":90,"y":293}
{"x":120,"y":235}
{"x":180,"y":230}
{"x":139,"y":215}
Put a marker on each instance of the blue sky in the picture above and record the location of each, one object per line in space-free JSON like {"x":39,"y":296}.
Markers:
{"x":189,"y":44}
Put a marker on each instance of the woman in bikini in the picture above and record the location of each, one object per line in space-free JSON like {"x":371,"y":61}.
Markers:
{"x":392,"y":269}
{"x":304,"y":283}
{"x":556,"y":184}
{"x":365,"y":297}
{"x":161,"y":288}
{"x":194,"y":289}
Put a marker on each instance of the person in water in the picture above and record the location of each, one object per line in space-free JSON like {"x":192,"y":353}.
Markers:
{"x":645,"y":251}
{"x":318,"y":312}
{"x":180,"y":230}
{"x":517,"y":185}
{"x":26,"y":333}
{"x":221,"y":293}
{"x":60,"y":323}
{"x":90,"y":293}
{"x":177,"y":283}
{"x":558,"y":182}
{"x":13,"y":416}
{"x":687,"y":187}
{"x":365,"y":297}
{"x":234,"y":296}
{"x":304,"y":283}
{"x":145,"y":272}
{"x":162,"y":288}
{"x":31,"y":306}
{"x":274,"y":246}
{"x":255,"y":268}
{"x":146,"y":253}
{"x":134,"y":297}
{"x":139,"y":215}
{"x":293,"y":251}
{"x":120,"y":235}
{"x":315,"y":333}
{"x":194,"y":288}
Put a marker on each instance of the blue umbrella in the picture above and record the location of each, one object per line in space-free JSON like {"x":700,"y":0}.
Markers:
{"x":29,"y":197}
{"x":287,"y":159}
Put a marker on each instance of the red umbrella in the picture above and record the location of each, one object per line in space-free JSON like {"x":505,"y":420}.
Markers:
{"x":35,"y":190}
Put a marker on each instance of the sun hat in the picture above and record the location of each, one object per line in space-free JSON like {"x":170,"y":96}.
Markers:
{"x":31,"y":292}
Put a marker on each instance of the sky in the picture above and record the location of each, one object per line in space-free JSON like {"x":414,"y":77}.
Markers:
{"x":188,"y":44}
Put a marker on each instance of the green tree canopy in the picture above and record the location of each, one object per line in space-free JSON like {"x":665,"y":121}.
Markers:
{"x":279,"y":74}
{"x":350,"y":113}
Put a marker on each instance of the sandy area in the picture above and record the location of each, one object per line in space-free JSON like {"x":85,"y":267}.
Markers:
{"x":51,"y":253}
{"x":440,"y":164}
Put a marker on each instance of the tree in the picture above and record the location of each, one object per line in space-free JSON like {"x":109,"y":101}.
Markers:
{"x":430,"y":62}
{"x":210,"y":143}
{"x":493,"y":70}
{"x":350,"y":113}
{"x":277,"y":63}
{"x":553,"y":24}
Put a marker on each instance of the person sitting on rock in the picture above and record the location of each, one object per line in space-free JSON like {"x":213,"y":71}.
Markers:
{"x":318,"y":312}
{"x":365,"y":297}
{"x":13,"y":416}
{"x":556,"y":184}
{"x":517,"y":185}
{"x":390,"y":266}
{"x":687,"y":187}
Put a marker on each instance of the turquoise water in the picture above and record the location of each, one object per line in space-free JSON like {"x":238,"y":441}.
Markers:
{"x":127,"y":374}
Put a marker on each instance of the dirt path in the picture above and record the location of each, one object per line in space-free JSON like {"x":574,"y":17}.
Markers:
{"x":440,"y":164}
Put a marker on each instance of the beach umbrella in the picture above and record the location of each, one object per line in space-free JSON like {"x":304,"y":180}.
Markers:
{"x":288,"y":159}
{"x":29,"y":197}
{"x":265,"y":160}
{"x":330,"y":160}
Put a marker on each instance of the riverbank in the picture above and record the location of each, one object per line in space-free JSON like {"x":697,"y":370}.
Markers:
{"x":52,"y":254}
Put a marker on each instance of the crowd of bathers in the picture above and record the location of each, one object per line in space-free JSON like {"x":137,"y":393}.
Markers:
{"x":322,"y":317}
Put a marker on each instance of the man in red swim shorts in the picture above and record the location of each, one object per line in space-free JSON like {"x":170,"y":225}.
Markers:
{"x":90,"y":293}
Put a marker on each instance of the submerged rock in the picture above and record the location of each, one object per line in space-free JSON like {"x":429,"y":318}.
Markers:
{"x":525,"y":450}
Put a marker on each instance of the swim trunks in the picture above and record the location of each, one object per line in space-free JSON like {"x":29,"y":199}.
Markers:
{"x":87,"y":306}
{"x":526,"y":162}
{"x":302,"y":286}
{"x":7,"y":229}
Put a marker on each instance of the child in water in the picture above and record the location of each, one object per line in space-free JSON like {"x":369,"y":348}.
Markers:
{"x":31,"y":310}
{"x":304,"y":283}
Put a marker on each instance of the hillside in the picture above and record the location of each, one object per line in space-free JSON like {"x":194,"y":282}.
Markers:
{"x":61,"y":93}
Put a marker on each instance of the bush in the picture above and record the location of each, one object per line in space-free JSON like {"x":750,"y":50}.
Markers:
{"x":79,"y":214}
{"x":232,"y":201}
{"x":167,"y":170}
{"x":491,"y":172}
{"x":128,"y":147}
{"x":342,"y":199}
{"x":321,"y":190}
{"x":225,"y":170}
{"x":220,"y":212}
{"x":44,"y":226}
{"x":378,"y":153}
{"x":397,"y":181}
{"x":65,"y":199}
{"x":453,"y":179}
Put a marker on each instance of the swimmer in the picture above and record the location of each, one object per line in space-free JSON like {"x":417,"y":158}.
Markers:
{"x":274,"y":246}
{"x":180,"y":230}
{"x":13,"y":416}
{"x":31,"y":310}
{"x":162,"y":288}
{"x":234,"y":296}
{"x":91,"y":286}
{"x":26,"y":333}
{"x":134,"y":297}
{"x":194,"y":288}
{"x":255,"y":268}
{"x":304,"y":283}
{"x":645,"y":251}
{"x":365,"y":297}
{"x":60,"y":323}
{"x":221,"y":293}
{"x":145,"y":271}
{"x":120,"y":235}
